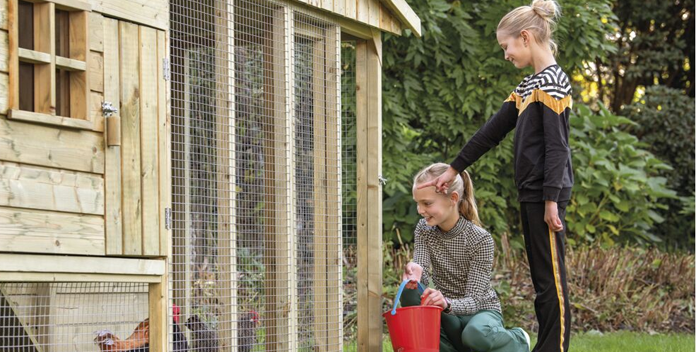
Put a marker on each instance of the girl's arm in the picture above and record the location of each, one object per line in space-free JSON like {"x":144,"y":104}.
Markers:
{"x":489,"y":135}
{"x":420,"y":252}
{"x":478,"y":284}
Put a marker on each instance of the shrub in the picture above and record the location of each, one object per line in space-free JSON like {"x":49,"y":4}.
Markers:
{"x":618,"y":186}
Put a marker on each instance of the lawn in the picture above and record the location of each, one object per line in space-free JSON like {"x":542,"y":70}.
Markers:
{"x":612,"y":342}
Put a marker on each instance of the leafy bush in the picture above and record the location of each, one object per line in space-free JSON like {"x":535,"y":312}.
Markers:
{"x":617,"y":182}
{"x":664,"y":121}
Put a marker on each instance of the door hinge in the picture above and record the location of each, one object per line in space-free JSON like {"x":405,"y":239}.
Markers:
{"x":166,"y":70}
{"x":168,"y":218}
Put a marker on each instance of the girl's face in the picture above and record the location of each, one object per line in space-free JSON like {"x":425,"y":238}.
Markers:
{"x":438,"y":209}
{"x":515,"y":49}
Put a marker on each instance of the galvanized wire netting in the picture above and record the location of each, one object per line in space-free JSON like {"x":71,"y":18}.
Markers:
{"x":256,"y":176}
{"x":349,"y":193}
{"x":62,"y":317}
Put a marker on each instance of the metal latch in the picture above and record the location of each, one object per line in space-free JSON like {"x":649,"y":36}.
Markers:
{"x":168,"y":218}
{"x":166,"y":71}
{"x":108,"y":109}
{"x":382,"y":180}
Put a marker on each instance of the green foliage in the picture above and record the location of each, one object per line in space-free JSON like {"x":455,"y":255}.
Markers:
{"x":654,"y":43}
{"x":617,"y":182}
{"x":664,"y":121}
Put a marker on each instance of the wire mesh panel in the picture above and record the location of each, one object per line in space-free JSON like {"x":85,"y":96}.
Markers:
{"x":349,"y":193}
{"x":57,"y":317}
{"x":256,"y":176}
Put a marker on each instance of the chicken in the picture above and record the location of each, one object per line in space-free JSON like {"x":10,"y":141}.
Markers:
{"x":203,"y":339}
{"x":136,"y":342}
{"x":139,"y":340}
{"x":247,"y":331}
{"x":179,"y":339}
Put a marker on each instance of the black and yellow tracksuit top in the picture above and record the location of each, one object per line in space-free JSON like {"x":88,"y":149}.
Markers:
{"x":538,"y":109}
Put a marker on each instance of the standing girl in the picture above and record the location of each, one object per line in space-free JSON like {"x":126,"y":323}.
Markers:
{"x":453,"y":250}
{"x":538,"y":109}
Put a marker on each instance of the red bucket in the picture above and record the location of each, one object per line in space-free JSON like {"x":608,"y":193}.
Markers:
{"x":414,"y":329}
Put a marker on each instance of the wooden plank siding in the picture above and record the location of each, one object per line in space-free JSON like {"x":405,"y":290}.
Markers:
{"x":32,"y":187}
{"x":40,"y":231}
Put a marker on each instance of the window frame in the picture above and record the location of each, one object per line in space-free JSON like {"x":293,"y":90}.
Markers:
{"x":46,"y":63}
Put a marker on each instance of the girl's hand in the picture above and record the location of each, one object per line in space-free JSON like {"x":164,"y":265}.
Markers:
{"x":412,"y":273}
{"x":551,"y":216}
{"x":442,"y":182}
{"x":433,"y":298}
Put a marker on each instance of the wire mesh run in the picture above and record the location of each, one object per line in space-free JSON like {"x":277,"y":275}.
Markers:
{"x":57,"y":317}
{"x":349,"y":194}
{"x":256,"y":138}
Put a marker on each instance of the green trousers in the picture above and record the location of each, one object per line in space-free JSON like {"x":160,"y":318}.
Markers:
{"x":481,"y":332}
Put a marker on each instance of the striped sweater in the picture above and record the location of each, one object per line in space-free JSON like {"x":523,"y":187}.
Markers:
{"x":538,"y":109}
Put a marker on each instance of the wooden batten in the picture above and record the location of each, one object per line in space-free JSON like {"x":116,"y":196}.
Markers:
{"x":130,"y":138}
{"x":226,"y":177}
{"x":113,"y":174}
{"x":280,"y":257}
{"x":152,"y":13}
{"x":164,"y":149}
{"x":319,"y":194}
{"x":149,"y":141}
{"x":334,"y":212}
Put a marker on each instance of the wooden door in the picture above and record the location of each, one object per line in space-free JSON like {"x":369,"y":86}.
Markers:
{"x":137,"y":146}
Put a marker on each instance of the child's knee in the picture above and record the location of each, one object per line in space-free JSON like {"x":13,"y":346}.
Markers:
{"x":476,"y":337}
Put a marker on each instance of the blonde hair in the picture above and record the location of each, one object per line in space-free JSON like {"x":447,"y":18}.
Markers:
{"x":539,"y":17}
{"x":462,"y":185}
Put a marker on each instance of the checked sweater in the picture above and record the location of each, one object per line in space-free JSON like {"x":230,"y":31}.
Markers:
{"x":538,"y":109}
{"x":460,"y":263}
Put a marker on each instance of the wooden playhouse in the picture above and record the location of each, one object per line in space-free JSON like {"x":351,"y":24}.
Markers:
{"x":182,"y":164}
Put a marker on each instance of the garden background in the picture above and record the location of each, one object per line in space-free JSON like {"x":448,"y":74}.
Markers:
{"x":630,"y":222}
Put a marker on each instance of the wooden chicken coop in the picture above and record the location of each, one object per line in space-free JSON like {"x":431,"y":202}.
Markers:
{"x":176,"y":175}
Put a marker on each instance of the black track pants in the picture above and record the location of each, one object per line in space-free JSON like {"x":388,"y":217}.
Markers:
{"x":546,"y":255}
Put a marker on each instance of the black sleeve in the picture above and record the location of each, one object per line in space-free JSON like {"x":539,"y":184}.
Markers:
{"x":557,"y":151}
{"x":489,"y":135}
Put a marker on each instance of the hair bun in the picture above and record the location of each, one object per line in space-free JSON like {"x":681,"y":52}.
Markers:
{"x":547,"y":9}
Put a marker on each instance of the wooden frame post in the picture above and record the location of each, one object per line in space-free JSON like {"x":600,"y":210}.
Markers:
{"x":334,"y":245}
{"x":281,"y":273}
{"x":369,"y":170}
{"x":226,"y":174}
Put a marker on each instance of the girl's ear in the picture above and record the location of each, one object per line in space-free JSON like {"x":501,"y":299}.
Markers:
{"x":525,"y":36}
{"x":454,"y":197}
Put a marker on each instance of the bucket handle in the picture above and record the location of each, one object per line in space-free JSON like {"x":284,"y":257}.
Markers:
{"x":421,"y":289}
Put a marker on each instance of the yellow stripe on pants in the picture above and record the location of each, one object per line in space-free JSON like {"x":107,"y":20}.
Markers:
{"x":559,"y":288}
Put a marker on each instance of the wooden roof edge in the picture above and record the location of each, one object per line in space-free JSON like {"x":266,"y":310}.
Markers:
{"x":405,"y":14}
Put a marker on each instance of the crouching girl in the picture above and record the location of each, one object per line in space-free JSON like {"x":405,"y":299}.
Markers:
{"x":457,"y":254}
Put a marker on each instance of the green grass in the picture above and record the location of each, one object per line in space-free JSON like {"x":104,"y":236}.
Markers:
{"x":632,"y":342}
{"x":609,"y":342}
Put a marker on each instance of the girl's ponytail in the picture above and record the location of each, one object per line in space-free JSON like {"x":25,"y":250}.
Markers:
{"x":467,"y":205}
